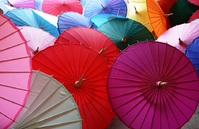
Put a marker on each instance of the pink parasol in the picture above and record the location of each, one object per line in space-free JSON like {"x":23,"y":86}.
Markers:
{"x":38,"y":39}
{"x":22,"y":3}
{"x":153,"y":85}
{"x":15,"y":72}
{"x":180,"y":36}
{"x":56,"y":7}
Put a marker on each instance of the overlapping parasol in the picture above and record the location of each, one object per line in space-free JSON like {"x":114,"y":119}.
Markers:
{"x":153,"y":85}
{"x":15,"y":72}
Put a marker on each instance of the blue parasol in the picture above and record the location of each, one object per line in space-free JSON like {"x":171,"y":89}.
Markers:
{"x":72,"y":19}
{"x":93,"y":7}
{"x":27,"y":17}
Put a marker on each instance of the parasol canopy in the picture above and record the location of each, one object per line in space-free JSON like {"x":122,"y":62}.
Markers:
{"x":90,"y":38}
{"x":27,"y":17}
{"x":153,"y":85}
{"x":71,"y":19}
{"x":194,"y":16}
{"x":94,"y":7}
{"x":37,"y":39}
{"x":137,"y":10}
{"x":22,"y":3}
{"x":84,"y":74}
{"x":15,"y":72}
{"x":99,"y":19}
{"x":180,"y":36}
{"x":192,"y":52}
{"x":56,"y":7}
{"x":124,"y":32}
{"x":166,"y":5}
{"x":196,"y":2}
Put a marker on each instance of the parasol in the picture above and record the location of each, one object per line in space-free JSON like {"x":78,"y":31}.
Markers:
{"x":22,"y":3}
{"x":124,"y":32}
{"x":194,"y":16}
{"x":94,"y":7}
{"x":49,"y":105}
{"x":158,"y":19}
{"x":137,"y":10}
{"x":192,"y":52}
{"x":27,"y":17}
{"x":180,"y":36}
{"x":37,"y":39}
{"x":91,"y":38}
{"x":196,"y":2}
{"x":166,"y":5}
{"x":15,"y":72}
{"x":153,"y":85}
{"x":56,"y":7}
{"x":71,"y":19}
{"x":84,"y":74}
{"x":99,"y":19}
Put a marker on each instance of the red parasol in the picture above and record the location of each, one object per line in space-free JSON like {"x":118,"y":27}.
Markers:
{"x":194,"y":16}
{"x":153,"y":85}
{"x":91,"y":38}
{"x":166,"y":5}
{"x":15,"y":72}
{"x":196,"y":2}
{"x":84,"y":74}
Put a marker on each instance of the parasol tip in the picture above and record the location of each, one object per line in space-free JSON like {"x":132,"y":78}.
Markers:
{"x":160,"y":84}
{"x":102,"y":50}
{"x":103,"y":7}
{"x":78,"y":83}
{"x":135,"y":10}
{"x":167,"y":15}
{"x":64,"y":3}
{"x":181,"y":43}
{"x":123,"y":40}
{"x":91,"y":25}
{"x":118,"y":12}
{"x":154,"y":35}
{"x":1,"y":11}
{"x":36,"y":51}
